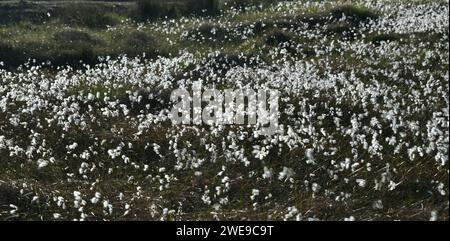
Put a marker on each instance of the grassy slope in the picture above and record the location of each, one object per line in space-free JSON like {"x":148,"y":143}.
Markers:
{"x":97,"y":29}
{"x":103,"y":41}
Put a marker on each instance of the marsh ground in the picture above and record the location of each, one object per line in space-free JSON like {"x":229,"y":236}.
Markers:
{"x":364,"y":131}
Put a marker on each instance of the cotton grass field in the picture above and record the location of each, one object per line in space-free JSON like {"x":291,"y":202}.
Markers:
{"x":85,"y":132}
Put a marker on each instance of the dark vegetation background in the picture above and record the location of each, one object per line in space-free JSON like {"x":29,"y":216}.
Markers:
{"x":76,"y":32}
{"x":84,"y":20}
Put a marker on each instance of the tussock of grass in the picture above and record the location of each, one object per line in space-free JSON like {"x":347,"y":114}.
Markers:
{"x":90,"y":16}
{"x":74,"y":36}
{"x":277,"y":37}
{"x":379,"y":38}
{"x":209,"y":33}
{"x":136,"y":43}
{"x":8,"y":54}
{"x":154,"y":9}
{"x":355,"y":14}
